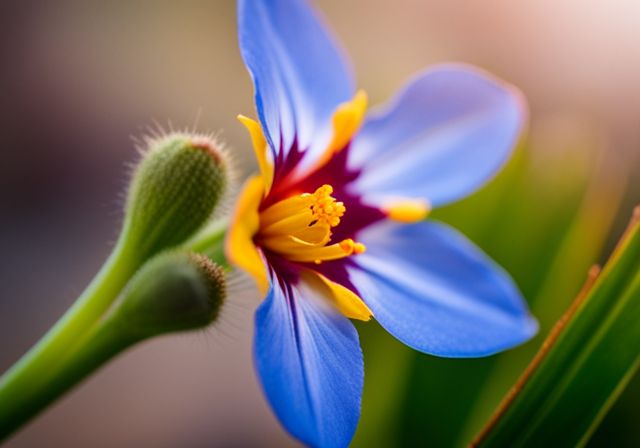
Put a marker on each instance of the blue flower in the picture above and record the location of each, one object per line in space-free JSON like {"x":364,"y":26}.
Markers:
{"x":333,"y":228}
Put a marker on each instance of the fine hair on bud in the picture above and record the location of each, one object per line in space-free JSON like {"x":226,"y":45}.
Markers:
{"x":174,"y":291}
{"x":174,"y":191}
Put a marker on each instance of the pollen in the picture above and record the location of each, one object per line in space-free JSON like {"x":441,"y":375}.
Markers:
{"x":299,"y":228}
{"x":325,"y":208}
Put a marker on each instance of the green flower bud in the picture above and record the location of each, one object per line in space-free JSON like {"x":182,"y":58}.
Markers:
{"x":174,"y":291}
{"x":174,"y":191}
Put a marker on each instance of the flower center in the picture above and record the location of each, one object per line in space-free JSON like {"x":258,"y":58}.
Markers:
{"x":299,"y":228}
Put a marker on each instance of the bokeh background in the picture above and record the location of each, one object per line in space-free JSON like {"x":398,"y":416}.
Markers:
{"x":80,"y":78}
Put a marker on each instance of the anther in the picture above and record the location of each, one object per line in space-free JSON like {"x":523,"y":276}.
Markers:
{"x":325,"y":207}
{"x":347,"y":245}
{"x":359,"y":248}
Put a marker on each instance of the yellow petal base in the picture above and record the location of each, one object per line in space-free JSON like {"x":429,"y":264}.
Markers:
{"x":345,"y":300}
{"x":407,"y":210}
{"x":239,"y":247}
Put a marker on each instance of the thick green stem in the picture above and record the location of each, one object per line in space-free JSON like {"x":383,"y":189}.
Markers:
{"x":103,"y":342}
{"x":80,"y":342}
{"x":22,"y":385}
{"x":174,"y":190}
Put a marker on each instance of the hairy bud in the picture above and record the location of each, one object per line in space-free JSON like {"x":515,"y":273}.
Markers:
{"x":174,"y":191}
{"x":173,"y":291}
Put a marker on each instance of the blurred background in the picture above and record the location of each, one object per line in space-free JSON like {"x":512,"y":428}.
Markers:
{"x":80,"y":78}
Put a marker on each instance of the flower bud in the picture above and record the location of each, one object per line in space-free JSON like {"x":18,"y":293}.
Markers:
{"x":174,"y":191}
{"x":174,"y":291}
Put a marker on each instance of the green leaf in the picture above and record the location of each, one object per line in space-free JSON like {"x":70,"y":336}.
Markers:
{"x":563,"y":266}
{"x":584,"y":364}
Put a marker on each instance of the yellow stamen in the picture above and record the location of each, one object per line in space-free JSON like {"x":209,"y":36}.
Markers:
{"x":299,"y":228}
{"x":407,"y":210}
{"x":286,"y":208}
{"x":311,"y":253}
{"x":261,"y":150}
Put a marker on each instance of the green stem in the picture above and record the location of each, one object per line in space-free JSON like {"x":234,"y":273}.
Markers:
{"x":103,"y":342}
{"x":23,"y":384}
{"x":210,"y":241}
{"x":78,"y":343}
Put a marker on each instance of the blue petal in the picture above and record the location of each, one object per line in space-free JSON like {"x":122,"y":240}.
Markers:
{"x":440,"y":139}
{"x":298,"y":72}
{"x":435,"y":291}
{"x":310,"y":364}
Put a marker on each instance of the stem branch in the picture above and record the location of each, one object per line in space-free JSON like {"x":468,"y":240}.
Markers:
{"x":23,"y":384}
